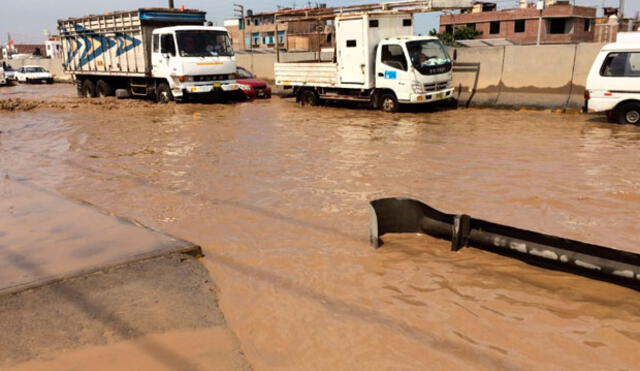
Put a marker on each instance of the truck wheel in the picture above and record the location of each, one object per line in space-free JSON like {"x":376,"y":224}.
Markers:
{"x":103,"y":89}
{"x":163,"y":93}
{"x":629,"y":113}
{"x":308,"y":98}
{"x":612,"y":116}
{"x":88,"y":89}
{"x":388,"y":103}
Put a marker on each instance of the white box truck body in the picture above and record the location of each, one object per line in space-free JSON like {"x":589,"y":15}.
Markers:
{"x":159,"y":52}
{"x":376,"y":61}
{"x":613,"y":84}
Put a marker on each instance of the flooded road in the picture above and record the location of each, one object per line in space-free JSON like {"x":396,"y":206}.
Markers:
{"x":277,"y":197}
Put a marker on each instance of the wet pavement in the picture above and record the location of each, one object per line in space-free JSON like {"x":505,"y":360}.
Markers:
{"x":277,"y":197}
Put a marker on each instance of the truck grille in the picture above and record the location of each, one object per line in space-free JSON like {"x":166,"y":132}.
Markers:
{"x":212,"y":78}
{"x":436,"y":86}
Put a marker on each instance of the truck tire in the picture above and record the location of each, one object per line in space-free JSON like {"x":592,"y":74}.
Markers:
{"x":163,"y":93}
{"x":612,"y":116}
{"x":629,"y":113}
{"x":388,"y":103}
{"x":88,"y":89}
{"x":103,"y":89}
{"x":308,"y":97}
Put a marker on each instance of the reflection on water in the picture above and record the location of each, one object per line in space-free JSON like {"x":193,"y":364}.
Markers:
{"x":277,"y":196}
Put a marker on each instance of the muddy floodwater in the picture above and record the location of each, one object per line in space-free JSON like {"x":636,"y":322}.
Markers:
{"x":277,"y":197}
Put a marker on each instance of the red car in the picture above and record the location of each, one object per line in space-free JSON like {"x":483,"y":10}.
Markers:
{"x":251,"y":86}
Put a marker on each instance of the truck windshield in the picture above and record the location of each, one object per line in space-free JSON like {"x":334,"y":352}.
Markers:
{"x":200,"y":43}
{"x":429,"y":56}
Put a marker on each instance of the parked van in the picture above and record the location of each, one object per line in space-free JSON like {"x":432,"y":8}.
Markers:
{"x":613,"y":85}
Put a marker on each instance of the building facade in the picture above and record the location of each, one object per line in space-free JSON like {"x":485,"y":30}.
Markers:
{"x":561,"y":23}
{"x":260,"y":31}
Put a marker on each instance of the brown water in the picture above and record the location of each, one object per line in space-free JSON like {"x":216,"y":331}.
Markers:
{"x":277,"y":196}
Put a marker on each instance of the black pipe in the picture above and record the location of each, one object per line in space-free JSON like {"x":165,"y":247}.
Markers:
{"x":171,"y":5}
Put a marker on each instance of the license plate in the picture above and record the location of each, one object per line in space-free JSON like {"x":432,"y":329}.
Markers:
{"x":44,"y":81}
{"x":217,"y":84}
{"x":439,"y":95}
{"x":260,"y":93}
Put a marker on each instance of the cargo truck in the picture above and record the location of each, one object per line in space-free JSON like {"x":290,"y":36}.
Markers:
{"x":164,"y":53}
{"x":377,"y":62}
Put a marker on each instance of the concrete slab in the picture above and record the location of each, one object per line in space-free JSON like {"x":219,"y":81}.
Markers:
{"x":45,"y":237}
{"x":156,"y":314}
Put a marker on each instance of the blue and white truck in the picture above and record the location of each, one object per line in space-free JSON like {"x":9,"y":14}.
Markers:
{"x":164,"y":53}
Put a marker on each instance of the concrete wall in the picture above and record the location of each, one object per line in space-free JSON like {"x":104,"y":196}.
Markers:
{"x":547,"y":76}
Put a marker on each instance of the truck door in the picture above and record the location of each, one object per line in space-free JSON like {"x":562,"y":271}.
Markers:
{"x":164,"y":49}
{"x":352,"y":54}
{"x":392,"y":70}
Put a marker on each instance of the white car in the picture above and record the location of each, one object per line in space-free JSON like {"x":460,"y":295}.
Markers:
{"x":34,"y":74}
{"x":613,"y":82}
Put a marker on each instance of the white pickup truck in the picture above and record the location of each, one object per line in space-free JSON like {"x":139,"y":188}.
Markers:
{"x":376,"y":62}
{"x":164,"y":53}
{"x":613,"y":84}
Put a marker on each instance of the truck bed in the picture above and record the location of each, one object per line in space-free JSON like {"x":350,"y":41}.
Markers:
{"x":321,"y":74}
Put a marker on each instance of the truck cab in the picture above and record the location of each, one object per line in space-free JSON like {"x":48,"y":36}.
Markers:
{"x":194,"y":60}
{"x":613,"y":84}
{"x":417,"y":69}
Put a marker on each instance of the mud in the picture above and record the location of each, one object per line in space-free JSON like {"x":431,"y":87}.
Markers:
{"x":277,"y":197}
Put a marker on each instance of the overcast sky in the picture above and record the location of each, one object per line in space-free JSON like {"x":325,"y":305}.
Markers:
{"x":27,"y":20}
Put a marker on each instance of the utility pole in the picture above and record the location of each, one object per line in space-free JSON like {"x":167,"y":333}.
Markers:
{"x":238,"y":12}
{"x":540,"y":7}
{"x":171,"y":5}
{"x":621,"y":10}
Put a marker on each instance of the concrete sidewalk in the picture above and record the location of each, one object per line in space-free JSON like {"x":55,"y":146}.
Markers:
{"x":81,"y":289}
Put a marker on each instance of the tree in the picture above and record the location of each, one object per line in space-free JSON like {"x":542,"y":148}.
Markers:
{"x":459,"y":33}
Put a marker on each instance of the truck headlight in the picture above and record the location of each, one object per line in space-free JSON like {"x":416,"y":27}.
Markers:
{"x":417,"y":87}
{"x":185,"y":78}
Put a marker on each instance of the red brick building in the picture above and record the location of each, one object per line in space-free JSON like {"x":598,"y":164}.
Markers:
{"x":561,"y":23}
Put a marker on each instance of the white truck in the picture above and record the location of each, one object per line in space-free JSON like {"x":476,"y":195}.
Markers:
{"x":613,"y":84}
{"x":165,"y":53}
{"x":378,"y":62}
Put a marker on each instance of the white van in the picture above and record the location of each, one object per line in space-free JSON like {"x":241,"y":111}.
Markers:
{"x":613,"y":85}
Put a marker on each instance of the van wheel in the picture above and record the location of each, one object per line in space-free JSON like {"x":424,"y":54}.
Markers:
{"x":88,"y":89}
{"x":612,"y":116}
{"x":629,"y":113}
{"x":308,"y":98}
{"x":388,"y":103}
{"x":163,"y":93}
{"x":103,"y":89}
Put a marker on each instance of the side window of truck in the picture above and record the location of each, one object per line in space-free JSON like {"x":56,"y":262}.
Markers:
{"x":393,"y":56}
{"x":621,"y":64}
{"x":167,"y":45}
{"x":156,"y":43}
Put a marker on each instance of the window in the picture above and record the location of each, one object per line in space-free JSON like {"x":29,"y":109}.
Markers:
{"x":256,"y":22}
{"x":621,"y":65}
{"x":471,"y":25}
{"x":587,"y":25}
{"x":393,"y":56}
{"x":156,"y":43}
{"x":167,"y":45}
{"x":248,"y":22}
{"x":448,"y":29}
{"x":351,"y":44}
{"x":558,"y":26}
{"x":406,"y":23}
{"x":494,"y":28}
{"x":373,"y":23}
{"x":519,"y":26}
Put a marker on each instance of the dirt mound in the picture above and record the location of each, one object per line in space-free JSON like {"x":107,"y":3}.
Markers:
{"x":21,"y":104}
{"x":18,"y":104}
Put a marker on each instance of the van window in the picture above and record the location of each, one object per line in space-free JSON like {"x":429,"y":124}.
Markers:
{"x":167,"y":45}
{"x":393,"y":56}
{"x":621,"y":64}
